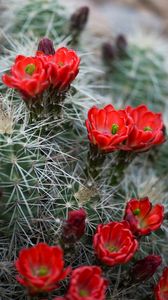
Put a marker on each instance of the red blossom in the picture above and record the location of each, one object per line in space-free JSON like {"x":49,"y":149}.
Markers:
{"x":87,"y":283}
{"x":145,"y":268}
{"x":114,"y":243}
{"x":148,"y":129}
{"x":108,"y":128}
{"x":49,"y":68}
{"x":161,"y":289}
{"x":142,"y":216}
{"x":74,"y":226}
{"x":62,"y":67}
{"x":27,"y":75}
{"x":40,"y":268}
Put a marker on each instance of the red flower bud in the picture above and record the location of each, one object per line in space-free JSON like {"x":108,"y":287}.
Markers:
{"x":46,"y":46}
{"x":79,"y":19}
{"x":145,"y":268}
{"x":143,"y":217}
{"x":121,"y":43}
{"x":108,"y":52}
{"x":74,"y":226}
{"x":161,"y":289}
{"x":148,"y":129}
{"x":114,"y":243}
{"x":40,"y":268}
{"x":108,"y":128}
{"x":87,"y":283}
{"x":1,"y":193}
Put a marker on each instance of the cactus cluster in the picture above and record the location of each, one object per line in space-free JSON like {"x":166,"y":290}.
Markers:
{"x":68,"y":188}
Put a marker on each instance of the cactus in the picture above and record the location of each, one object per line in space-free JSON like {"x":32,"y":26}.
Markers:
{"x":38,"y":18}
{"x":48,"y":168}
{"x":139,"y":73}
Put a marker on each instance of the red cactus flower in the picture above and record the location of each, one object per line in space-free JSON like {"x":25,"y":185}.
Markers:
{"x":27,"y":75}
{"x":161,"y":289}
{"x":145,"y":268}
{"x":114,"y":243}
{"x":148,"y":129}
{"x":62,"y":67}
{"x":40,"y":268}
{"x":74,"y":226}
{"x":108,"y":128}
{"x":87,"y":283}
{"x":142,"y":216}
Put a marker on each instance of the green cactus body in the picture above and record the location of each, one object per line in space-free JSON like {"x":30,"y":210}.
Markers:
{"x":34,"y":17}
{"x":18,"y":179}
{"x":139,"y":77}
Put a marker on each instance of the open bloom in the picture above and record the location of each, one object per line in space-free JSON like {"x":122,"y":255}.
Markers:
{"x":40,"y":268}
{"x":161,"y":289}
{"x":114,"y":243}
{"x":87,"y":283}
{"x":145,"y":268}
{"x":62,"y":67}
{"x":27,"y":75}
{"x":142,"y":216}
{"x":108,"y":128}
{"x":74,"y":226}
{"x":148,"y":129}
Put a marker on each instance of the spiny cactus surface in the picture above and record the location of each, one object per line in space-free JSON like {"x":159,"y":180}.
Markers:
{"x":82,"y":165}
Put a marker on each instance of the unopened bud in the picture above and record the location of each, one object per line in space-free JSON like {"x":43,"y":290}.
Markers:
{"x":108,"y":52}
{"x":121,"y":44}
{"x":79,"y":19}
{"x":46,"y":46}
{"x":74,"y":226}
{"x":145,"y":268}
{"x":1,"y":193}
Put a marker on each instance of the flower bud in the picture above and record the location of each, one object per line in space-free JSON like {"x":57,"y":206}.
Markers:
{"x":145,"y":268}
{"x":108,"y":52}
{"x":46,"y":46}
{"x":121,"y":44}
{"x":79,"y":19}
{"x":74,"y":226}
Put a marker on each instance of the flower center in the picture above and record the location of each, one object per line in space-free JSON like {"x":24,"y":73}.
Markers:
{"x":114,"y":128}
{"x":147,"y":128}
{"x":61,"y":64}
{"x":42,"y":271}
{"x":136,"y":212}
{"x":30,"y":68}
{"x":111,"y":248}
{"x":83,"y":293}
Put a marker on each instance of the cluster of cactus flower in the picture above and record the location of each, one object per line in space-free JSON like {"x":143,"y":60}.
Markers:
{"x":47,"y":69}
{"x":47,"y":77}
{"x":43,"y":78}
{"x":132,"y":129}
{"x":40,"y":268}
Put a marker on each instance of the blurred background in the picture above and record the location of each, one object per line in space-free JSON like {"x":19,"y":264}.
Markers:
{"x":126,"y":16}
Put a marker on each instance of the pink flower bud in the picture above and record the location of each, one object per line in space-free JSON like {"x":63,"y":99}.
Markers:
{"x":145,"y":268}
{"x":46,"y":46}
{"x":79,"y":19}
{"x":74,"y":226}
{"x":108,"y":52}
{"x":121,"y":43}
